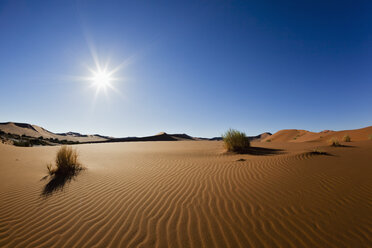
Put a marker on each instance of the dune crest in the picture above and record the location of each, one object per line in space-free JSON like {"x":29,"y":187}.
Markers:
{"x":294,"y":135}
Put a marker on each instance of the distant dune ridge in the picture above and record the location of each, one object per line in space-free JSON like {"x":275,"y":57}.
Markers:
{"x":158,"y":137}
{"x":294,"y":135}
{"x":286,"y":135}
{"x":36,"y":132}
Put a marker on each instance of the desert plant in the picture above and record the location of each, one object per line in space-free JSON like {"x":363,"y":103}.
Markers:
{"x":346,"y":138}
{"x":269,"y":140}
{"x":370,"y":137}
{"x":37,"y":142}
{"x":317,"y":151}
{"x":24,"y":143}
{"x":334,"y":142}
{"x":236,"y":141}
{"x":66,"y":163}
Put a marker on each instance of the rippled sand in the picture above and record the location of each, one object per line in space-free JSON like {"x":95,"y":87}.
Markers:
{"x":189,"y":194}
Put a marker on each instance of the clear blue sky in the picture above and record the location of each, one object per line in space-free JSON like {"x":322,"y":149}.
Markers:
{"x":198,"y":67}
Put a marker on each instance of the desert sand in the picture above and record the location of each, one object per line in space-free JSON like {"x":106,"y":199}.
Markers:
{"x":190,"y":194}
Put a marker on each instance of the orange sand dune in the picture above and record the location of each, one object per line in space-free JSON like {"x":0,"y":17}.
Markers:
{"x":355,"y":135}
{"x":294,"y":135}
{"x":190,"y":194}
{"x":287,"y":135}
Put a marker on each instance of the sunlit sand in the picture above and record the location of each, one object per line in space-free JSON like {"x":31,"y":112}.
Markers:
{"x":191,"y":194}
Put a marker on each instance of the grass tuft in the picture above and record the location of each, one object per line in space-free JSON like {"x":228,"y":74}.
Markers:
{"x":66,"y":163}
{"x":334,"y":142}
{"x":370,"y":137}
{"x":23,"y":143}
{"x":236,"y":141}
{"x":317,"y":151}
{"x":346,"y":138}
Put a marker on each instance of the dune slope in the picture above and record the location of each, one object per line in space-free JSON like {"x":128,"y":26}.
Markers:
{"x":294,"y":135}
{"x":36,"y":132}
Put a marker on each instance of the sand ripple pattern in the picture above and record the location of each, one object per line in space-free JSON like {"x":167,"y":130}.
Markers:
{"x":196,"y":199}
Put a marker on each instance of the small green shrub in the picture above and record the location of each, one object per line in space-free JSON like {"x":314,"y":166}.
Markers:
{"x":334,"y":142}
{"x":370,"y":137}
{"x":236,"y":141}
{"x":38,"y":142}
{"x":346,"y":138}
{"x":269,"y":140}
{"x":23,"y":143}
{"x":66,"y":163}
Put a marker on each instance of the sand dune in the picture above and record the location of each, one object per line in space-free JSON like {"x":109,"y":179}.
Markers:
{"x":287,"y":135}
{"x":294,"y":135}
{"x":36,"y":131}
{"x":356,"y":134}
{"x":189,"y":194}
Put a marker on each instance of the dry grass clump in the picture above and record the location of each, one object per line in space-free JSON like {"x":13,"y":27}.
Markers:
{"x":346,"y":138}
{"x":334,"y":142}
{"x":318,"y":151}
{"x":66,"y":163}
{"x":236,"y":141}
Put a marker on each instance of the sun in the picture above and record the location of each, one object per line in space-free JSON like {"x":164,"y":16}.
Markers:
{"x":102,"y":79}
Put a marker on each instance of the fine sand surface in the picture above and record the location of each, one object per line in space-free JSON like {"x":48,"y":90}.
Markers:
{"x":190,"y":194}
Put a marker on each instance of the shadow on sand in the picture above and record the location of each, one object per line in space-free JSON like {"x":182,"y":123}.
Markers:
{"x":321,"y":153}
{"x":348,"y":146}
{"x":57,"y":182}
{"x":263,"y":151}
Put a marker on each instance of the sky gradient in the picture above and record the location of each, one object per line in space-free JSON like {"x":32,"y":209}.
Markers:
{"x":195,"y":67}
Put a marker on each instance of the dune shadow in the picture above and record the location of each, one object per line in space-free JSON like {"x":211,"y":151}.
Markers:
{"x":348,"y":146}
{"x":241,"y":160}
{"x":342,"y":146}
{"x":320,"y":153}
{"x":263,"y":151}
{"x":57,"y":183}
